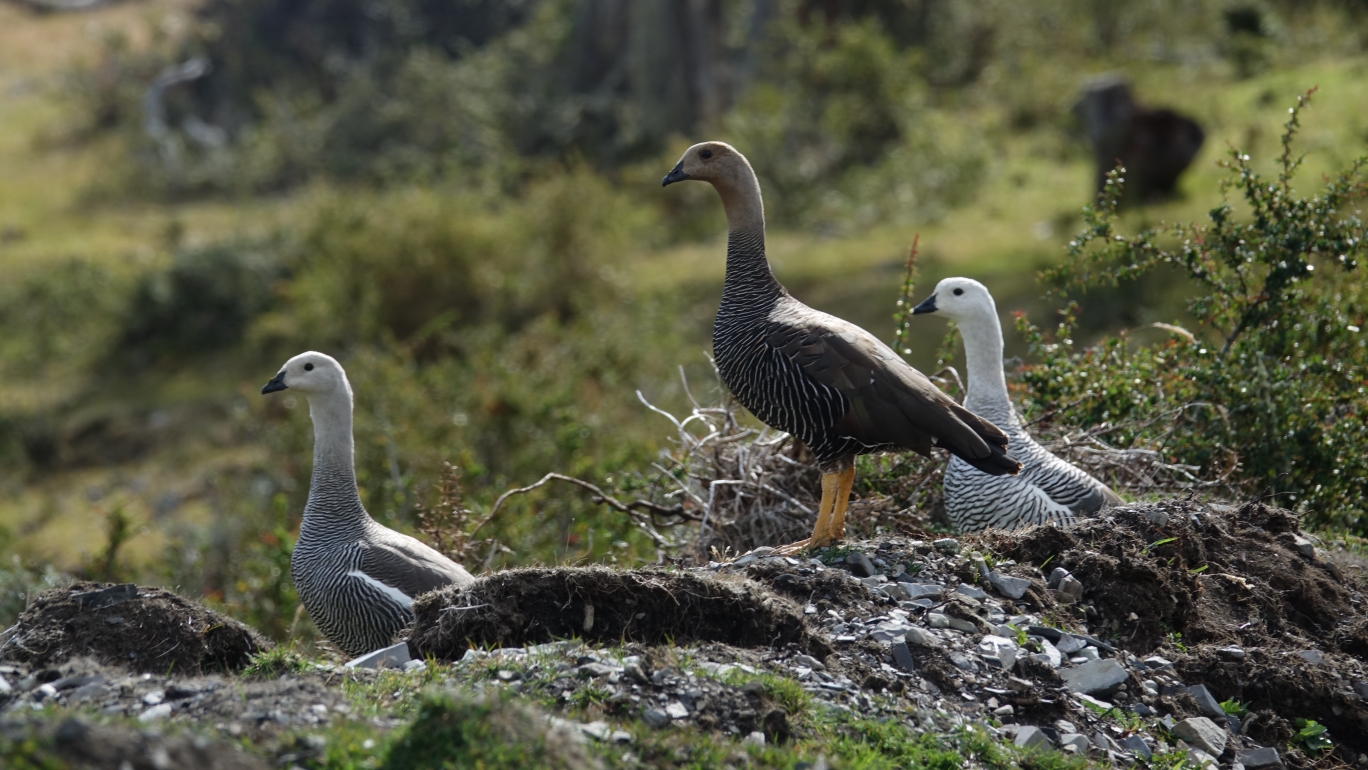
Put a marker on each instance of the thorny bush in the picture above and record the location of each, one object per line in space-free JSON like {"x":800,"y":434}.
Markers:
{"x":1269,"y":391}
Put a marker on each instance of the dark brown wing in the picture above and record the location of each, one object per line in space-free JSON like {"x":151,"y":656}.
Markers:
{"x":891,"y":403}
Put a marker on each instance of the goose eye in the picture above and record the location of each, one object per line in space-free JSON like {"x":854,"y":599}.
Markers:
{"x":705,"y":154}
{"x":958,"y":292}
{"x":308,"y":367}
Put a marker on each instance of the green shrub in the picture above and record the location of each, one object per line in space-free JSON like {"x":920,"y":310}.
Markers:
{"x":55,"y":318}
{"x":1274,"y":377}
{"x":202,"y":303}
{"x":421,"y":267}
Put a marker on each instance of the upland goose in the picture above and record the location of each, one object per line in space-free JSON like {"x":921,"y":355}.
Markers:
{"x":826,"y":381}
{"x":1048,"y":488}
{"x":356,"y":578}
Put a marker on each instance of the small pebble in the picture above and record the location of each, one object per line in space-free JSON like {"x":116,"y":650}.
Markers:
{"x":946,"y":545}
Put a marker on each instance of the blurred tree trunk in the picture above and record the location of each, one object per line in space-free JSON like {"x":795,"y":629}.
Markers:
{"x":668,"y":58}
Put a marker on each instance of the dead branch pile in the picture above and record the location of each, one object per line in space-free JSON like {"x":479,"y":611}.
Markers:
{"x":1139,"y":470}
{"x":749,"y":486}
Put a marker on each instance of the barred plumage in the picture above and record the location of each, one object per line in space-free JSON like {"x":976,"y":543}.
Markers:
{"x":1048,"y":488}
{"x":356,"y":578}
{"x":828,"y":382}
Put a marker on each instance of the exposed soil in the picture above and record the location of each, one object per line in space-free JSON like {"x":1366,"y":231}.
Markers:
{"x":138,"y":628}
{"x":824,"y":590}
{"x":1185,"y":580}
{"x":532,"y":606}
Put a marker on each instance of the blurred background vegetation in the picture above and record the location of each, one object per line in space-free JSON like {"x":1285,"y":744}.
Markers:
{"x":460,"y":200}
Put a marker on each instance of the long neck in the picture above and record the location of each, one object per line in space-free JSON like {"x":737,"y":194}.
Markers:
{"x":749,"y":279}
{"x":987,"y":382}
{"x":332,"y":493}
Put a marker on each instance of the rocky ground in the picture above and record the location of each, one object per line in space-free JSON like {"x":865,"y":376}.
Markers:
{"x":1173,"y":634}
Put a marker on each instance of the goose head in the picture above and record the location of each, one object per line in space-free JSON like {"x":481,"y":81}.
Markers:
{"x":310,"y":373}
{"x":716,"y":162}
{"x":961,"y":299}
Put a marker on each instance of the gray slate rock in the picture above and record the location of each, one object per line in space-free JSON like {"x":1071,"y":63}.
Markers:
{"x":921,"y":590}
{"x":960,"y":624}
{"x":1314,"y":657}
{"x":1069,"y":644}
{"x":971,"y":591}
{"x":918,"y":638}
{"x":1304,"y":546}
{"x":156,"y":713}
{"x":1071,"y":588}
{"x":655,"y":717}
{"x":676,"y":710}
{"x":896,"y":591}
{"x":1008,"y":586}
{"x":593,"y":670}
{"x":1057,"y":575}
{"x":634,"y":672}
{"x":1255,"y":759}
{"x":394,"y":656}
{"x":1001,"y":651}
{"x":1075,"y":742}
{"x":1206,"y":701}
{"x":902,"y":657}
{"x":1028,"y":737}
{"x":1137,"y":746}
{"x":1204,"y":760}
{"x":1094,"y":676}
{"x":860,"y":564}
{"x":1203,"y":734}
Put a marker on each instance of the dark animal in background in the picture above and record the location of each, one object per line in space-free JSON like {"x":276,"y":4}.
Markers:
{"x":1155,"y":145}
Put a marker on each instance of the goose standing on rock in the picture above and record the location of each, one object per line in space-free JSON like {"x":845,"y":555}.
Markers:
{"x":356,"y":578}
{"x":828,"y":382}
{"x":1048,"y":488}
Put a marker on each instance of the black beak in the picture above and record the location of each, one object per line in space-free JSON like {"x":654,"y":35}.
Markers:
{"x":927,"y":305}
{"x":676,"y":175}
{"x":277,"y":383}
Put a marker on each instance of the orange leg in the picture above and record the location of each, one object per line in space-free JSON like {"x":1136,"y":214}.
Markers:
{"x":845,"y":480}
{"x":830,"y":482}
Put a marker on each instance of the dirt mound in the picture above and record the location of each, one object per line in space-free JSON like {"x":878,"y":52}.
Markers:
{"x":532,"y":606}
{"x":77,"y":743}
{"x":1235,"y":597}
{"x":825,"y":590}
{"x":143,"y":629}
